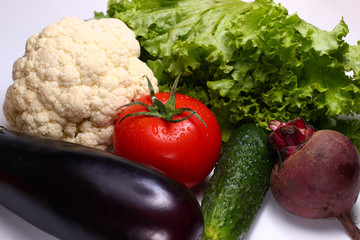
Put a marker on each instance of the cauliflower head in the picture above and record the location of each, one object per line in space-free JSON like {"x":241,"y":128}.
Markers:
{"x":72,"y":78}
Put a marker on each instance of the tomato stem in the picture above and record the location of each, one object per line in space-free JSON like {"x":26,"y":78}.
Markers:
{"x":158,"y":109}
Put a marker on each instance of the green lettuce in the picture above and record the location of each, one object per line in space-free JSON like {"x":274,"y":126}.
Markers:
{"x":248,"y":61}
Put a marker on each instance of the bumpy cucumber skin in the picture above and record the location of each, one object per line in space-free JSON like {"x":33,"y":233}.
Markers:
{"x":239,"y":183}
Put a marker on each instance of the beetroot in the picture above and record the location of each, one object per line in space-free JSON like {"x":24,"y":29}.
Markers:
{"x":317,"y":175}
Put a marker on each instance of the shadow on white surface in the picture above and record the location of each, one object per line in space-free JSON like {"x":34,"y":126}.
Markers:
{"x":284,"y":224}
{"x":19,"y":229}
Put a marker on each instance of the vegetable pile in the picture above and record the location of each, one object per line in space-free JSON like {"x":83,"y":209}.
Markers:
{"x":248,"y":60}
{"x":241,"y":64}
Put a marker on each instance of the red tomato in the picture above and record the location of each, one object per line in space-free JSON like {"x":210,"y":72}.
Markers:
{"x":186,"y":151}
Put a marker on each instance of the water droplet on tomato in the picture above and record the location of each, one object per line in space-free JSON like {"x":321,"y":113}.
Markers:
{"x":178,"y":139}
{"x":164,"y":131}
{"x":155,"y":130}
{"x":182,"y":135}
{"x":189,"y":129}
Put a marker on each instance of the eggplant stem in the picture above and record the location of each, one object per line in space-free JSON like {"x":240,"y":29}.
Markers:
{"x":349,"y":225}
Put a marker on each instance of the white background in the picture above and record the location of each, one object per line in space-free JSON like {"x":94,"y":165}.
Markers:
{"x":19,"y":19}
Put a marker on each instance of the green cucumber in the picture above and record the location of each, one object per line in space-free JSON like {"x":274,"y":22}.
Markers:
{"x":239,"y":183}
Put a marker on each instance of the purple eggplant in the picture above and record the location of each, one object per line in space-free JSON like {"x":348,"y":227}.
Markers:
{"x":76,"y":192}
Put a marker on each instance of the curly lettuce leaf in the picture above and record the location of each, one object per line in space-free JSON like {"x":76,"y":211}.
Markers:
{"x":248,"y":61}
{"x":352,"y":61}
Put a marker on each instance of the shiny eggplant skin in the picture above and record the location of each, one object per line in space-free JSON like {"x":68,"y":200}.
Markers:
{"x":75,"y":192}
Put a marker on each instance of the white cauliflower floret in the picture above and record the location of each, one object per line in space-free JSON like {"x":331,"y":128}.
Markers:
{"x":73,"y":77}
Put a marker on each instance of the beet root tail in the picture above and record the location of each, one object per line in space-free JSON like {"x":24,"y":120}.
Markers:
{"x":349,"y":225}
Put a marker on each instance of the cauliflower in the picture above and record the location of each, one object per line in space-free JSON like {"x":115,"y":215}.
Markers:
{"x":73,"y":77}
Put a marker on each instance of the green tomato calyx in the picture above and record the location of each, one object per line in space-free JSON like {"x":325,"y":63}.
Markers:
{"x":160,"y":110}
